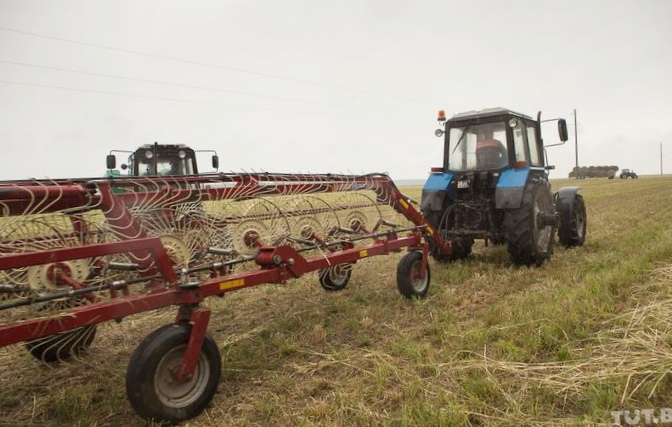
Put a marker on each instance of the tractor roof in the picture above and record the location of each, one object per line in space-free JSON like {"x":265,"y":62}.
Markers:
{"x":488,"y":112}
{"x":145,"y":146}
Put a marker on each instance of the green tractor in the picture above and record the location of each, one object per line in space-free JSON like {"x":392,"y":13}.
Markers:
{"x":493,"y":185}
{"x":159,"y":160}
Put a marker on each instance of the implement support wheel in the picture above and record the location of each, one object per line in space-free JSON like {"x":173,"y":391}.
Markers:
{"x":409,"y":280}
{"x":152,"y":385}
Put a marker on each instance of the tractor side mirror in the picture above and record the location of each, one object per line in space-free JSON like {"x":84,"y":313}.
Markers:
{"x":215,"y":161}
{"x":562,"y":130}
{"x":111,"y":161}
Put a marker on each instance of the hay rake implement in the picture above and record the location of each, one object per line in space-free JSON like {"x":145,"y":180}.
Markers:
{"x":75,"y":253}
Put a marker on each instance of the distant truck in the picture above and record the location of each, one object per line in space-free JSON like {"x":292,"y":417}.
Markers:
{"x":628,"y":173}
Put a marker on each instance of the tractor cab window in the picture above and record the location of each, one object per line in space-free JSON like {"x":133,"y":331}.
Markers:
{"x":536,"y":155}
{"x":526,"y":145}
{"x":519,"y":145}
{"x":165,"y":167}
{"x":477,"y":147}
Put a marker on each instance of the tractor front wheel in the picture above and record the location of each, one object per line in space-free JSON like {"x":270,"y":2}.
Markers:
{"x":152,"y":385}
{"x":530,"y":229}
{"x":410,"y":280}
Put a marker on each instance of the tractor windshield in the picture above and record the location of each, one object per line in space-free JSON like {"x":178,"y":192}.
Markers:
{"x":477,"y":147}
{"x":165,"y":166}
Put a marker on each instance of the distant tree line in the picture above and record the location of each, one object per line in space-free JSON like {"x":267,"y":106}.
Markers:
{"x":593,"y":172}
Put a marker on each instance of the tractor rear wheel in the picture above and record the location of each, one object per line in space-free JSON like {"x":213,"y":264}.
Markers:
{"x":572,"y":230}
{"x":152,"y":386}
{"x":530,"y":229}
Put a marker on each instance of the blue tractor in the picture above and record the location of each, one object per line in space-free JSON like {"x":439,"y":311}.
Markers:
{"x":628,"y":173}
{"x":494,"y":185}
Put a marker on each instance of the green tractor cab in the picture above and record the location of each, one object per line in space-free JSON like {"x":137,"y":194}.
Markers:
{"x":159,"y":160}
{"x":493,"y":185}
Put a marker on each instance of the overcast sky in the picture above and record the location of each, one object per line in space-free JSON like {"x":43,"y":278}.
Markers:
{"x":315,"y":86}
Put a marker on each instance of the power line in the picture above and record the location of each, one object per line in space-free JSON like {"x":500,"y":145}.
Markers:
{"x":203,"y":64}
{"x":193,"y":101}
{"x":186,"y":86}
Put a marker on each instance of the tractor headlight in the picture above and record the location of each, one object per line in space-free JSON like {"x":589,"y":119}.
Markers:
{"x":182,"y":154}
{"x":513,"y":123}
{"x":438,"y":132}
{"x":149,"y":154}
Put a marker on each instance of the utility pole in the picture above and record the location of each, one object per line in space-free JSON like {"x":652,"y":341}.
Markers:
{"x":661,"y":158}
{"x":576,"y":145}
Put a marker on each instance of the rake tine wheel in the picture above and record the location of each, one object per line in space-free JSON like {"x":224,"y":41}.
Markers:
{"x":44,"y":232}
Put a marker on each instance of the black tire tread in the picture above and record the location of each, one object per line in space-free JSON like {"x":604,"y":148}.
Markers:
{"x":568,"y":233}
{"x":142,"y":367}
{"x":405,"y":272}
{"x":519,"y":227}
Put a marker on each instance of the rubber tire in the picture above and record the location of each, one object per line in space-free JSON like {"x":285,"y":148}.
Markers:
{"x":143,"y":393}
{"x":572,"y":231}
{"x":332,"y":280}
{"x":407,"y":269}
{"x":63,"y":345}
{"x":520,"y":226}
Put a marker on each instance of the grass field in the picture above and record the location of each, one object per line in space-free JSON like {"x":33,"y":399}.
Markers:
{"x":493,"y":344}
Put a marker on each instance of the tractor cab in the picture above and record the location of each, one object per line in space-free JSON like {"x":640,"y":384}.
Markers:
{"x":160,"y":160}
{"x":492,"y":140}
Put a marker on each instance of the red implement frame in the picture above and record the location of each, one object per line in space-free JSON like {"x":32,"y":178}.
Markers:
{"x":164,"y":284}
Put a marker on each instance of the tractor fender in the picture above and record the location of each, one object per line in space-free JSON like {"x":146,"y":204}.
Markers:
{"x":564,"y":201}
{"x":510,"y":188}
{"x":434,"y":193}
